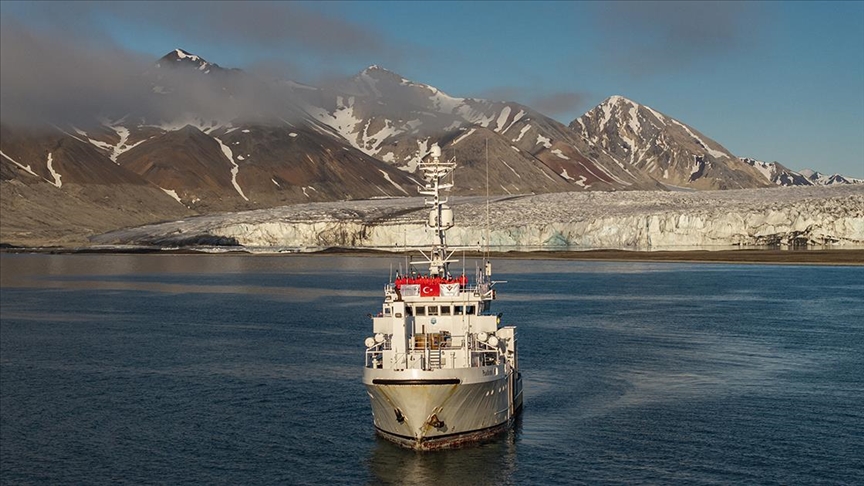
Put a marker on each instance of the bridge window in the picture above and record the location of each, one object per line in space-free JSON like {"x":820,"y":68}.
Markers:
{"x":458,"y":310}
{"x":420,"y":310}
{"x":433,"y":310}
{"x":387,"y":311}
{"x":445,"y":310}
{"x":470,"y":310}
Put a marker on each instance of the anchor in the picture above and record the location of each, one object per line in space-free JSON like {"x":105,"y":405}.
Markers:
{"x":434,"y":421}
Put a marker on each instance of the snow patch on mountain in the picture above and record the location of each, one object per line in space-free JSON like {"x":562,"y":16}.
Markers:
{"x":57,"y":183}
{"x":474,"y":116}
{"x":522,"y":133}
{"x":714,"y":153}
{"x":444,"y":102}
{"x":235,"y":169}
{"x":173,"y":194}
{"x":607,"y":110}
{"x":424,"y":148}
{"x":181,"y":54}
{"x":515,"y":119}
{"x":25,"y":168}
{"x":101,"y":145}
{"x":502,"y":118}
{"x":633,"y":120}
{"x":371,"y":143}
{"x":464,"y":136}
{"x":765,"y":168}
{"x":397,"y":186}
{"x":511,"y":168}
{"x":658,"y":115}
{"x":121,"y":146}
{"x":560,"y":154}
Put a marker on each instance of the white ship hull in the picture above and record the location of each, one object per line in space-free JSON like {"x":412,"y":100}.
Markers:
{"x":438,"y":409}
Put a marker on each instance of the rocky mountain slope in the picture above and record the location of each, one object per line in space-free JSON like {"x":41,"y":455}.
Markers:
{"x":55,"y":189}
{"x":670,"y":151}
{"x":777,"y":173}
{"x":397,"y":121}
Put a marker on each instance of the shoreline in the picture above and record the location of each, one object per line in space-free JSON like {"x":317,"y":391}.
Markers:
{"x":853,"y":256}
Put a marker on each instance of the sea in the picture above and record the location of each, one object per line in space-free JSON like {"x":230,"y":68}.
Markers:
{"x":245,"y":369}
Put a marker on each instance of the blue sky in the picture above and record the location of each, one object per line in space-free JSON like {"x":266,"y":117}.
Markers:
{"x":778,"y":81}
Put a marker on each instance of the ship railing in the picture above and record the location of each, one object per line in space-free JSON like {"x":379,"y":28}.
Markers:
{"x":375,"y":354}
{"x":484,"y":357}
{"x":435,"y":351}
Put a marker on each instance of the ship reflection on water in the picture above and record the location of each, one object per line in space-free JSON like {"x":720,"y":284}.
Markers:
{"x":490,"y":462}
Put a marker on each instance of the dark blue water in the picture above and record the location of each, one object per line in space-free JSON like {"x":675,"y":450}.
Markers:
{"x":246,"y":370}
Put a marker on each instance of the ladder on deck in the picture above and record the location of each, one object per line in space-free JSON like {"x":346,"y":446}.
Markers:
{"x":434,"y":359}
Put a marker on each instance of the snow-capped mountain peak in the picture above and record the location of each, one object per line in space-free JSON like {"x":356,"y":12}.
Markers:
{"x":375,"y":75}
{"x":667,"y":149}
{"x":179,"y":57}
{"x":617,"y":99}
{"x":181,"y":54}
{"x":820,"y":179}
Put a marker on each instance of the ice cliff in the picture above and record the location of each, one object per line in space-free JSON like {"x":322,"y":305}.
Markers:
{"x":785,"y":216}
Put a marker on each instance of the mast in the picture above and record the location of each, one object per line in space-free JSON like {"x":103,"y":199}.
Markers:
{"x":440,"y":215}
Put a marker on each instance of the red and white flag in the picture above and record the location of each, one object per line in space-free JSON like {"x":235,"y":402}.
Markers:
{"x":429,"y":290}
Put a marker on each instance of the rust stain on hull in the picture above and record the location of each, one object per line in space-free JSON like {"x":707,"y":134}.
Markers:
{"x":449,"y":442}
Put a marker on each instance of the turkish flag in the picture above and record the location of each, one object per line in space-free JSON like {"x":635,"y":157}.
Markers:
{"x":430,"y":290}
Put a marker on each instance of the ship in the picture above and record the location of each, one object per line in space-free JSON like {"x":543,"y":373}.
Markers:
{"x":441,"y":370}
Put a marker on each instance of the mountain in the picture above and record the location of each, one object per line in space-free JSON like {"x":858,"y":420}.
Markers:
{"x":665,"y":148}
{"x":397,"y":121}
{"x":197,"y":138}
{"x":55,"y":187}
{"x":178,"y":58}
{"x":820,"y":179}
{"x":783,"y":176}
{"x":205,"y":139}
{"x":777,"y":173}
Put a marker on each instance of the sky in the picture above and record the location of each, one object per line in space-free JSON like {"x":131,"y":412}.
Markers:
{"x":776,"y":81}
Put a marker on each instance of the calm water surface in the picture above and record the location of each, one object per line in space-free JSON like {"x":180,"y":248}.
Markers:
{"x":246,"y":370}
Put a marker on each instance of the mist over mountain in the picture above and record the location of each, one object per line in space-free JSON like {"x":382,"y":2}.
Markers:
{"x":184,"y":135}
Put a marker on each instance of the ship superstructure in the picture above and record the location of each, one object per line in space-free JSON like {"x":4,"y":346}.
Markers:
{"x":440,"y":370}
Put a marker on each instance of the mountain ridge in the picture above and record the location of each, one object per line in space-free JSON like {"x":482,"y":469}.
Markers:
{"x":214,"y":139}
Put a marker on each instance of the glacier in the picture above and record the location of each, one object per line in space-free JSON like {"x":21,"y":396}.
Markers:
{"x":637,"y":220}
